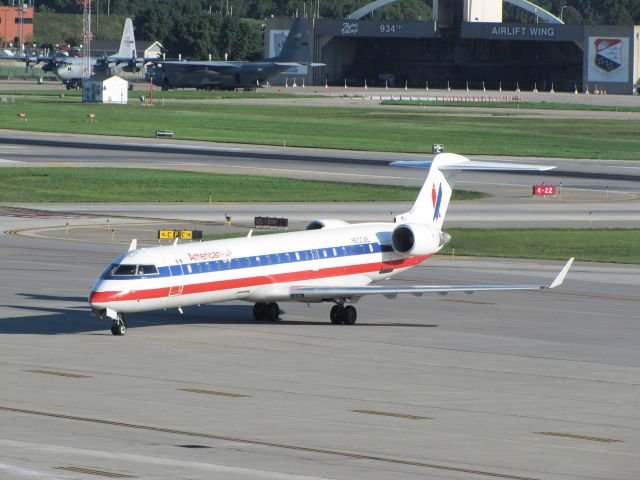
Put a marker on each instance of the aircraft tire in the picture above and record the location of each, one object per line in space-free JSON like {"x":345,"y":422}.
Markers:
{"x":272,"y":311}
{"x":337,"y":315}
{"x":114,"y":329}
{"x":122,"y":329}
{"x":349,"y":315}
{"x":260,"y":312}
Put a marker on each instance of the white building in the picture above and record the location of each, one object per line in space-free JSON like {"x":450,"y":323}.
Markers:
{"x":106,"y":90}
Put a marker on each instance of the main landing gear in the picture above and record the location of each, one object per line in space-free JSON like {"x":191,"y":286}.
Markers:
{"x":270,"y":312}
{"x":119,"y":326}
{"x":343,"y":315}
{"x":266,"y":312}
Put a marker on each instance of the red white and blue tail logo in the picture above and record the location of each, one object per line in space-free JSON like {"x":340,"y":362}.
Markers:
{"x":436,"y":199}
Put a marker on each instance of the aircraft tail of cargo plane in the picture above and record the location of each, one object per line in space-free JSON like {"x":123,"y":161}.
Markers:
{"x":330,"y":261}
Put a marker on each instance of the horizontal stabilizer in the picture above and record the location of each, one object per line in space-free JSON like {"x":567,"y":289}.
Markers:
{"x":474,"y":165}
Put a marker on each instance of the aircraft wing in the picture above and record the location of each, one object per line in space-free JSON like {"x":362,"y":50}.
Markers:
{"x":302,"y":293}
{"x":196,"y":65}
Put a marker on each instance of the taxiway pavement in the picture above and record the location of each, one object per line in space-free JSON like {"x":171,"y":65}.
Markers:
{"x":518,"y":385}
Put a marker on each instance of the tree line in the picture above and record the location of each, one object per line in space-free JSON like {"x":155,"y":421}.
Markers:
{"x":198,"y":28}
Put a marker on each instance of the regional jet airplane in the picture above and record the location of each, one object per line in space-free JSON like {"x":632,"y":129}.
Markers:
{"x":330,"y":261}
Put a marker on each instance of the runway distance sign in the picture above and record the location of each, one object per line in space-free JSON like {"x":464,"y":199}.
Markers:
{"x":544,"y":190}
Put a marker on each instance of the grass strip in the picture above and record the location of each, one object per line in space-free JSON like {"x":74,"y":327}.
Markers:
{"x":590,"y":245}
{"x":368,"y":129}
{"x":586,"y":245}
{"x":169,"y":95}
{"x":62,"y":184}
{"x":523,"y":105}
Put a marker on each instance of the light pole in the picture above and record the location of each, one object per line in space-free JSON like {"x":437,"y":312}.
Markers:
{"x":561,"y":12}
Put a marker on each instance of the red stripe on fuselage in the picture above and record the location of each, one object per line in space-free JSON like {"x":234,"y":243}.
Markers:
{"x":287,"y":277}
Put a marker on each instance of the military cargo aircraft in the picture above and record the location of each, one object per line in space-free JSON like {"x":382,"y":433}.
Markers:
{"x":231,"y":75}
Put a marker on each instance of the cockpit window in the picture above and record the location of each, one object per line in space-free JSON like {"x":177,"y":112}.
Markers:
{"x":125,"y":270}
{"x":129,"y":270}
{"x":147,"y":270}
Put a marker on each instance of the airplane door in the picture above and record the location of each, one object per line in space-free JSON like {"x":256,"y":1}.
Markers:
{"x":176,"y":279}
{"x":316,"y":258}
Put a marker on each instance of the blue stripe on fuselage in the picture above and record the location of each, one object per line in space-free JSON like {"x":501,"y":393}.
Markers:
{"x":258,"y":261}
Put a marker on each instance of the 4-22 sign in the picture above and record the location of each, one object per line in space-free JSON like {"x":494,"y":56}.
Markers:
{"x":544,"y":190}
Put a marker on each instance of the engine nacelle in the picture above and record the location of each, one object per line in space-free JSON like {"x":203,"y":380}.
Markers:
{"x":417,"y":239}
{"x":326,"y":223}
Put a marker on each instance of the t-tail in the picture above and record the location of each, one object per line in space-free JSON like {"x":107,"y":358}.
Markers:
{"x":128,"y":42}
{"x":431,"y":205}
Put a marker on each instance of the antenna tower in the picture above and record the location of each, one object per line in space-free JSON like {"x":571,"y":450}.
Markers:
{"x":86,"y":37}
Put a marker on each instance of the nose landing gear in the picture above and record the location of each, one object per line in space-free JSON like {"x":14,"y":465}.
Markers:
{"x":119,"y":326}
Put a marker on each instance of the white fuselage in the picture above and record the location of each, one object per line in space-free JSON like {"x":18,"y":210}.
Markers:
{"x":255,"y":269}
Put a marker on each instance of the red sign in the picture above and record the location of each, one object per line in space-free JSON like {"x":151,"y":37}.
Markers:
{"x":544,"y":190}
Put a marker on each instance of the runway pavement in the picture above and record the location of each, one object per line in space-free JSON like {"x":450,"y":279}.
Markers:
{"x":528,"y":385}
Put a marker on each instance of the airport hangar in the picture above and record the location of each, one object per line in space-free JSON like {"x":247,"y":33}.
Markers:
{"x":467,"y":42}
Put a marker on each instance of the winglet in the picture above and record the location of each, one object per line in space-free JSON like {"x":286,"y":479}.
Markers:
{"x":133,"y":245}
{"x":563,"y":273}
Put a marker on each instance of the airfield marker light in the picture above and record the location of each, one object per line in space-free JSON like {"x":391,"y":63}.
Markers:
{"x":113,"y":234}
{"x":552,"y":90}
{"x":386,"y":84}
{"x":406,"y":84}
{"x":467,"y":86}
{"x":107,"y":224}
{"x":500,"y":86}
{"x":67,"y":229}
{"x":586,"y":89}
{"x":535,"y":87}
{"x":484,"y":89}
{"x":427,"y":86}
{"x":517,"y":87}
{"x":303,"y":83}
{"x":365,"y":84}
{"x":575,"y":91}
{"x":345,"y":83}
{"x":448,"y":86}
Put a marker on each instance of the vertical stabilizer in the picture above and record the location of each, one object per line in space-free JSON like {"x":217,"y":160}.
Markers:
{"x":128,"y":42}
{"x":432,"y":202}
{"x":296,"y":48}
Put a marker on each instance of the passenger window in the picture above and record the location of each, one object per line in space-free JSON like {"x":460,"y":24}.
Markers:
{"x":298,"y":256}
